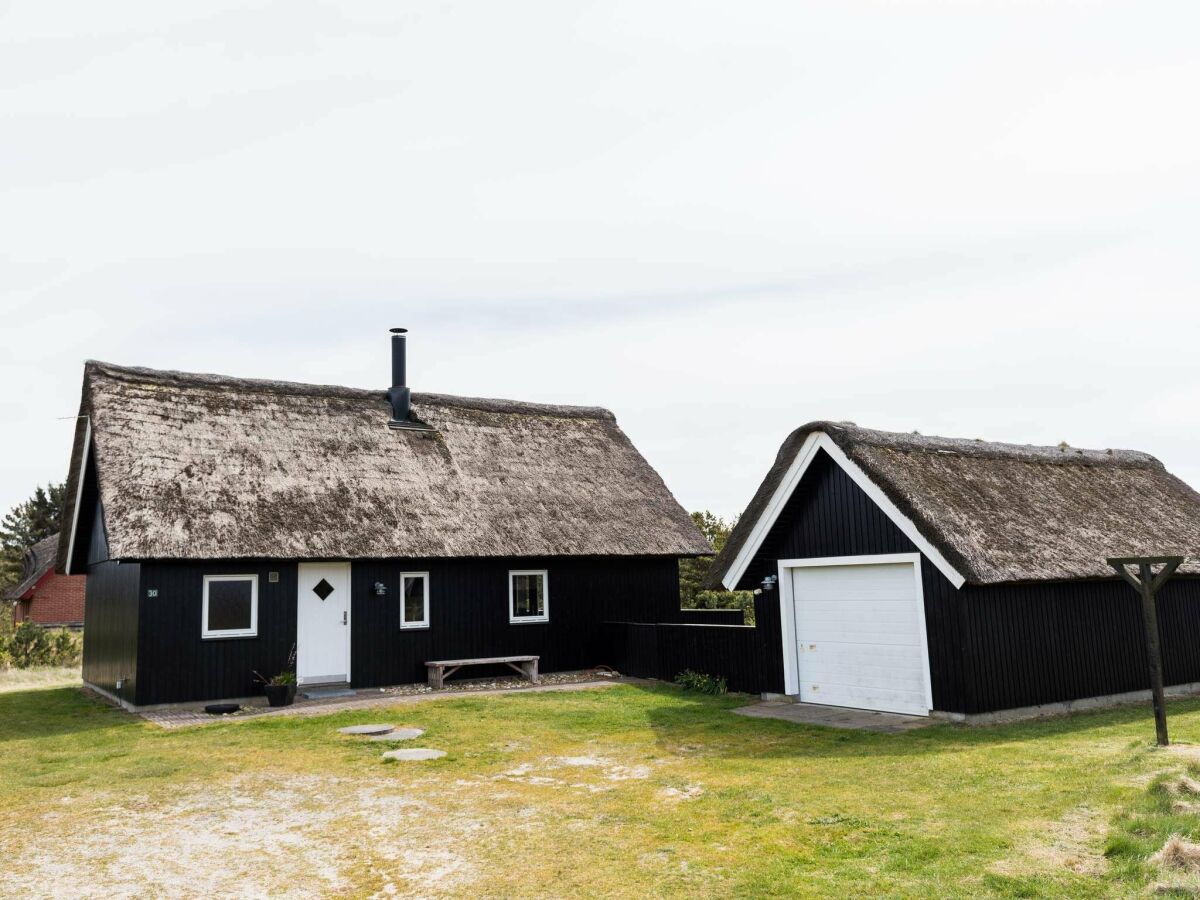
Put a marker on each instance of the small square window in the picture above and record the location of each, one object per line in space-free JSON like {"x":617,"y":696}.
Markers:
{"x":230,"y":606}
{"x":528,"y":597}
{"x":414,"y":600}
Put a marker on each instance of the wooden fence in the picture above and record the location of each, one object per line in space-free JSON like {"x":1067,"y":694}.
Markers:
{"x":665,"y":649}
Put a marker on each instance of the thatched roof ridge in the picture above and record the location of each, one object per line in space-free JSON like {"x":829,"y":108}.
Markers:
{"x":267,"y":386}
{"x":213,"y":467}
{"x":39,"y":559}
{"x":1004,"y":512}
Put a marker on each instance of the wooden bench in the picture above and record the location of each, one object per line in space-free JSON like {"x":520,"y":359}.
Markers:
{"x":440,"y":670}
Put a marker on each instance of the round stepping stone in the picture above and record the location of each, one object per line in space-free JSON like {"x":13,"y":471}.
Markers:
{"x":400,"y":734}
{"x":366,"y":729}
{"x":414,"y":753}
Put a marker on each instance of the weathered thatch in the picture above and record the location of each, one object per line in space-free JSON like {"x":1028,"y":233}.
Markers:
{"x":39,"y":559}
{"x":1008,"y":512}
{"x":209,"y":467}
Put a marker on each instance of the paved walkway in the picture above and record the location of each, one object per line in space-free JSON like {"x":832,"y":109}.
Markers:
{"x":188,"y":714}
{"x":833,"y":716}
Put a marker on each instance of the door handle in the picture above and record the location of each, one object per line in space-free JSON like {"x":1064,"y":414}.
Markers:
{"x":344,"y":617}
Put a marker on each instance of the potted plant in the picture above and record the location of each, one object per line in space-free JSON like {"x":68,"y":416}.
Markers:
{"x":281,"y":689}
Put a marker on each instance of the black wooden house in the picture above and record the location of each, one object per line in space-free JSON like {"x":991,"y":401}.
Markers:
{"x":918,"y":574}
{"x":222,"y":521}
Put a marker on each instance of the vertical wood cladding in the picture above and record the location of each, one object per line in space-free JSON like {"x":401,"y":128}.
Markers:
{"x":1029,"y":644}
{"x":829,"y":515}
{"x":991,"y":647}
{"x":664,"y":650}
{"x":468,"y":610}
{"x":176,"y":664}
{"x":110,"y":612}
{"x":110,"y":628}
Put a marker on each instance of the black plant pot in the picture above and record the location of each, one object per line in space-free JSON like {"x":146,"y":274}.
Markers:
{"x":280,"y":694}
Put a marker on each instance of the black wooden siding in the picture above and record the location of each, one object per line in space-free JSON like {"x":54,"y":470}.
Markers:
{"x":468,"y":611}
{"x":663,"y":650}
{"x":176,"y":664}
{"x":709,"y":617}
{"x":829,"y":515}
{"x":1030,"y":644}
{"x":468,"y":615}
{"x":110,"y":616}
{"x":991,"y":647}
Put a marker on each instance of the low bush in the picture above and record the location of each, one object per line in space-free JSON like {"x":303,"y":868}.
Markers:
{"x":698,"y":681}
{"x":26,"y":645}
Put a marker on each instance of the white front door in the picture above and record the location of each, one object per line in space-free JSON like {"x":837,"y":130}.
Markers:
{"x":860,"y":637}
{"x":323,"y":623}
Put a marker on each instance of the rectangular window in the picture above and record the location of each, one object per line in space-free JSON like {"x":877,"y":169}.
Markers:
{"x":528,"y":597}
{"x":230,"y":607}
{"x":414,"y":600}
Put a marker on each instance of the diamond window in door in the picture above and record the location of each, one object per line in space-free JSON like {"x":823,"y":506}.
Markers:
{"x":323,"y":589}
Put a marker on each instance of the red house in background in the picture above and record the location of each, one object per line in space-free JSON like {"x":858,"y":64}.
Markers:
{"x":42,"y":597}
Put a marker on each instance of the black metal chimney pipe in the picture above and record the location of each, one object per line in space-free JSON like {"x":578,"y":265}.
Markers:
{"x":399,"y":394}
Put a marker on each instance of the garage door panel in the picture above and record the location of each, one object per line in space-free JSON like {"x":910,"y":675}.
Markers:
{"x":877,"y":673}
{"x":848,"y":633}
{"x":866,"y":679}
{"x":859,"y":638}
{"x":881,"y":699}
{"x":885,"y":616}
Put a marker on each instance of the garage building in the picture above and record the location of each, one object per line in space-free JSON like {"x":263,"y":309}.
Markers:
{"x":927,"y":575}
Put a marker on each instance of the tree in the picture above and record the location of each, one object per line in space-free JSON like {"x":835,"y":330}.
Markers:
{"x":27,"y":523}
{"x":692,"y":572}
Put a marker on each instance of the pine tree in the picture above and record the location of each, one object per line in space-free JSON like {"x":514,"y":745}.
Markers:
{"x":27,"y":523}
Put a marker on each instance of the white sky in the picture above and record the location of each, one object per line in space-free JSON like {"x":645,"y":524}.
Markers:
{"x":720,"y":220}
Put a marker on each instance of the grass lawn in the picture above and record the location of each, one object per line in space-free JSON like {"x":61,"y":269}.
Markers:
{"x":623,"y":791}
{"x":40,"y":677}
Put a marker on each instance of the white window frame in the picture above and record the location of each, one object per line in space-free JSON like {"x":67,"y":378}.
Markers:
{"x":514,"y":619}
{"x":424,"y":622}
{"x":252,"y":631}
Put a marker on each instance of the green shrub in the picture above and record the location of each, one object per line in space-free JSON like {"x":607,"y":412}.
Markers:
{"x":66,"y":648}
{"x":28,"y":645}
{"x":698,"y":681}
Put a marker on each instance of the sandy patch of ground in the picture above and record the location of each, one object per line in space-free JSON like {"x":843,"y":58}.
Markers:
{"x":295,"y":837}
{"x":687,"y":792}
{"x":598,"y":773}
{"x":1074,"y":842}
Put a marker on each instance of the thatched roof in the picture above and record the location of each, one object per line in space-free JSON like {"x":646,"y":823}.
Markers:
{"x":1008,"y":512}
{"x":209,"y":467}
{"x":39,"y":559}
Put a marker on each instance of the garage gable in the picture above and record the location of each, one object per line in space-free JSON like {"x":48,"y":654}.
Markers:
{"x":818,"y":447}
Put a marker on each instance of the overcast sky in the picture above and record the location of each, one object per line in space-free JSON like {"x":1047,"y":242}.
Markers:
{"x":720,"y":220}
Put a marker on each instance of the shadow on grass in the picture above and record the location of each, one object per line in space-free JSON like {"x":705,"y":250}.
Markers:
{"x":55,"y":711}
{"x":695,"y":716}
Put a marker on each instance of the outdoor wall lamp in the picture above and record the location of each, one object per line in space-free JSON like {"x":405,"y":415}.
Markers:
{"x":768,"y":583}
{"x":380,"y":589}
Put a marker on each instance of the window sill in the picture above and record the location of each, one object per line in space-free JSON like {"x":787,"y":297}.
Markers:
{"x":541,"y":620}
{"x":420,"y":626}
{"x":227,"y":636}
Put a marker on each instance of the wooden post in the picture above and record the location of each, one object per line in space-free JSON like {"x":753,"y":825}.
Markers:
{"x":1147,"y":585}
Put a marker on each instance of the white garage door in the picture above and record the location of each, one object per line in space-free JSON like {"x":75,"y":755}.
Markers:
{"x":859,"y":637}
